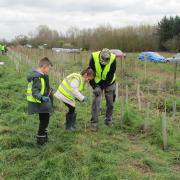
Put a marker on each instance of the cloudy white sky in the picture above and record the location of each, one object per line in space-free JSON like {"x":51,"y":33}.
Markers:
{"x":23,"y":16}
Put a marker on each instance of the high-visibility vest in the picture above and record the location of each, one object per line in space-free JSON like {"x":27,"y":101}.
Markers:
{"x":101,"y":75}
{"x":65,"y":87}
{"x":2,"y":48}
{"x":30,"y":97}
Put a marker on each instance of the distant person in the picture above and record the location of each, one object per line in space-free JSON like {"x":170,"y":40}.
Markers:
{"x":3,"y":49}
{"x":39,"y":97}
{"x":0,"y":48}
{"x":70,"y":90}
{"x":104,"y":64}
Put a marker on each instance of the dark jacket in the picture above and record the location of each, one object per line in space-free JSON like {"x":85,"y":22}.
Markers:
{"x":43,"y":107}
{"x":103,"y":83}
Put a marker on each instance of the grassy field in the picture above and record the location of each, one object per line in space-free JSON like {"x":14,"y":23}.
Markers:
{"x":125,"y":151}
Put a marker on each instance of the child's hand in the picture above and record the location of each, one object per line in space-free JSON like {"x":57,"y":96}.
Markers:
{"x":85,"y":99}
{"x":45,"y":98}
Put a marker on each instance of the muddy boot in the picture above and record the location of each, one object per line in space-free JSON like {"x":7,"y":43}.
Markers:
{"x":94,"y":127}
{"x":41,"y":139}
{"x":108,"y":123}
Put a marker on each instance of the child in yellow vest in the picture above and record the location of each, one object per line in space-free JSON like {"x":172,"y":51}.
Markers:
{"x":39,"y":97}
{"x":70,"y":90}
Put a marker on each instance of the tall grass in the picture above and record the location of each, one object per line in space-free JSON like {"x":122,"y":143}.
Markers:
{"x":124,"y":151}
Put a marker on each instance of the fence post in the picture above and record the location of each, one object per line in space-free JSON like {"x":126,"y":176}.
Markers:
{"x":145,"y":69}
{"x":138,"y":96}
{"x":174,"y":110}
{"x":126,"y":94}
{"x":164,"y":130}
{"x":117,"y":91}
{"x":146,"y":117}
{"x":122,"y":112}
{"x":17,"y":67}
{"x":175,"y":75}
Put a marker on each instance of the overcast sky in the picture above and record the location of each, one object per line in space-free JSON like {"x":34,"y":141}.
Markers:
{"x":23,"y":16}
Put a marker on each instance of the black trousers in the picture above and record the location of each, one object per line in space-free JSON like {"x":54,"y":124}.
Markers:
{"x":43,"y":123}
{"x":71,"y":108}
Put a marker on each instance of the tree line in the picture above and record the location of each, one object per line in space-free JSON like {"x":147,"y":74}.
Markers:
{"x":165,"y":36}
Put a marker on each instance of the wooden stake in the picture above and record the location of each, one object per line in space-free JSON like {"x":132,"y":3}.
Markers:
{"x":174,"y":110}
{"x":146,"y":121}
{"x":17,"y":67}
{"x":145,"y":70}
{"x":175,"y":74}
{"x":126,"y":94}
{"x":164,"y":130}
{"x":138,"y":96}
{"x":117,"y":92}
{"x":122,"y":112}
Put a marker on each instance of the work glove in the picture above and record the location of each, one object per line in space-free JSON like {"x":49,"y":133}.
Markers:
{"x":45,"y":98}
{"x":85,"y":99}
{"x":97,"y":91}
{"x":39,"y":96}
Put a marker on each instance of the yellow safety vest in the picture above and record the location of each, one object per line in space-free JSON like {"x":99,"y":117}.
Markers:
{"x":30,"y":97}
{"x":65,"y":87}
{"x":2,"y":48}
{"x":99,"y":74}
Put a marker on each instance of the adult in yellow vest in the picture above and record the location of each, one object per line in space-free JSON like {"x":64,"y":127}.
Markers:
{"x":3,"y":49}
{"x":70,"y":90}
{"x":104,"y":64}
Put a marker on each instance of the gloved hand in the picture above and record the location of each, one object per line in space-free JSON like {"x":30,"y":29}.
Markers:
{"x":97,"y":91}
{"x":45,"y":98}
{"x":85,"y":99}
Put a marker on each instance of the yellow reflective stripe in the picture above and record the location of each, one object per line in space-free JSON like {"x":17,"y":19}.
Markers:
{"x":97,"y":66}
{"x":114,"y":78}
{"x":66,"y":92}
{"x":29,"y":89}
{"x":81,"y":87}
{"x":29,"y":95}
{"x":42,"y":86}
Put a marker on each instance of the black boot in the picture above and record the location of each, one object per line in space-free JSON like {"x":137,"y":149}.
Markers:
{"x":73,"y":125}
{"x":46,"y":135}
{"x":108,"y":122}
{"x":70,"y":121}
{"x":41,"y":139}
